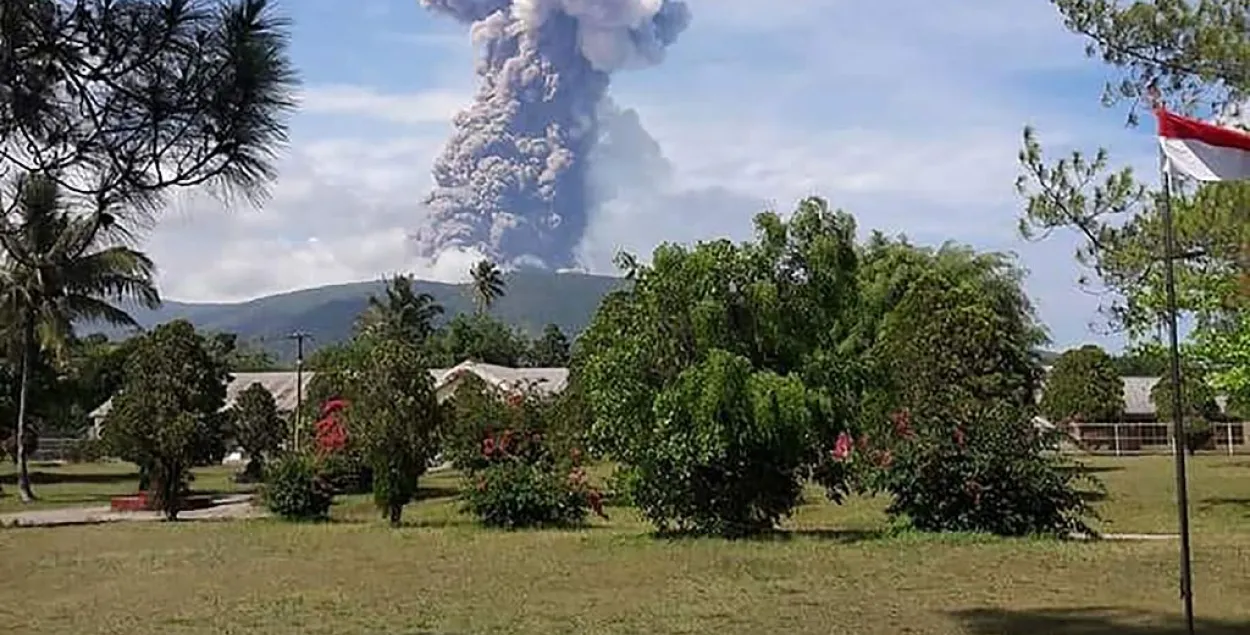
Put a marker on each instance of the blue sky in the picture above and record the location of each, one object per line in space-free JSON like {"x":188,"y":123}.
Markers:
{"x":907,"y":113}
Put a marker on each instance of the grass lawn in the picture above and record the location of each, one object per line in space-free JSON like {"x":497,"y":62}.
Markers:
{"x":834,"y":573}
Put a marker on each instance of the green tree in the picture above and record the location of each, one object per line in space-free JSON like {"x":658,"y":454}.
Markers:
{"x":258,"y":428}
{"x":59,"y":268}
{"x":958,"y":337}
{"x":217,"y":92}
{"x":394,"y":406}
{"x":167,"y":416}
{"x":1196,"y":55}
{"x":239,"y":356}
{"x":487,"y":284}
{"x":1198,"y":405}
{"x":1083,"y":384}
{"x":550,"y":350}
{"x":1141,"y":362}
{"x":774,"y":311}
{"x":402,"y":312}
{"x":478,"y":337}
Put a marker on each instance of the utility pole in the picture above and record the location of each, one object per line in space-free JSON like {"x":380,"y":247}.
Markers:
{"x":299,"y":337}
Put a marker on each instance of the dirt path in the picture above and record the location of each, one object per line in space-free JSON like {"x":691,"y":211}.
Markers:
{"x":225,"y":508}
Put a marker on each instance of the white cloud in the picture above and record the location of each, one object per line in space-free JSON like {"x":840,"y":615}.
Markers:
{"x":907,"y":113}
{"x":428,"y":106}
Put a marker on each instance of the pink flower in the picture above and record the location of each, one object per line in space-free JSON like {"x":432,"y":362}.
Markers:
{"x":488,"y":447}
{"x":842,"y":447}
{"x":961,"y":439}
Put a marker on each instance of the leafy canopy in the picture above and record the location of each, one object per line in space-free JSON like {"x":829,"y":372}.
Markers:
{"x":775,"y":310}
{"x":1083,"y":385}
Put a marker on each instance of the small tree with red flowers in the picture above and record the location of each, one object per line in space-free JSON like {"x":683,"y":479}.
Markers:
{"x":338,"y":451}
{"x":521,"y":469}
{"x":956,"y":446}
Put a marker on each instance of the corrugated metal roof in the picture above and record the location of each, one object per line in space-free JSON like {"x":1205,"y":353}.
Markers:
{"x":282,"y":383}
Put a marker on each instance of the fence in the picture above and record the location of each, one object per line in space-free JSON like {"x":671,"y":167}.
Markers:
{"x":1138,"y":438}
{"x":54,"y":449}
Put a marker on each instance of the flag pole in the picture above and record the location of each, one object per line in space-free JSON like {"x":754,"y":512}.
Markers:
{"x":1178,"y":425}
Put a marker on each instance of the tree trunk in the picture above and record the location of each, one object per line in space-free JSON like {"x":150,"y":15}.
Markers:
{"x":23,"y":471}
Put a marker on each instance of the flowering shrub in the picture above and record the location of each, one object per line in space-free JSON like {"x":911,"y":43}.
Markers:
{"x":990,"y":473}
{"x":344,"y":467}
{"x":517,"y":478}
{"x":296,"y":488}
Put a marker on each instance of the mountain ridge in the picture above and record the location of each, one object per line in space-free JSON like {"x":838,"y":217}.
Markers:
{"x":533,"y":299}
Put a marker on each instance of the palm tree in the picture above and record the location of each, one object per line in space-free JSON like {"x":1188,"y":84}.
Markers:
{"x":402,"y":311}
{"x":58,"y":268}
{"x":488,"y":284}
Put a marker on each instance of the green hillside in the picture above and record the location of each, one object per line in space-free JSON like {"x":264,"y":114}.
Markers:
{"x":534,"y":299}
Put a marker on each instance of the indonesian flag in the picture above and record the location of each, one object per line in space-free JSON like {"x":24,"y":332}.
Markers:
{"x":1201,"y":150}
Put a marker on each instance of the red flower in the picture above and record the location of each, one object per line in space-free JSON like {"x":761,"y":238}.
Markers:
{"x":842,"y":447}
{"x":902,"y":425}
{"x":488,"y":447}
{"x":595,"y":500}
{"x":884,"y":458}
{"x":330,"y":435}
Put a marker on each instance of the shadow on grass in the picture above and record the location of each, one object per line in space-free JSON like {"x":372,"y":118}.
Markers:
{"x":1092,"y":496}
{"x":1093,"y":469}
{"x":1211,"y":503}
{"x":1088,"y":621}
{"x":59,"y":478}
{"x":436,"y":492}
{"x":842,"y":536}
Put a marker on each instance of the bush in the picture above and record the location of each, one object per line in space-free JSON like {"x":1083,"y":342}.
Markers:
{"x":517,"y":479}
{"x":347,"y":473}
{"x":989,"y":473}
{"x":727,"y":453}
{"x":296,"y":488}
{"x":517,"y":494}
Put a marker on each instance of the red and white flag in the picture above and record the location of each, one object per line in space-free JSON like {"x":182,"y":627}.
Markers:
{"x":1201,"y":150}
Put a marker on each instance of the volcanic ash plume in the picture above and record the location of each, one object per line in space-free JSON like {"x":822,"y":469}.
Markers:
{"x":512,"y":182}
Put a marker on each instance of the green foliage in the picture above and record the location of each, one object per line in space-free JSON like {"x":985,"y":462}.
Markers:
{"x":477,"y":337}
{"x":59,"y":267}
{"x":985,"y":471}
{"x":1198,"y":406}
{"x":1195,"y":55}
{"x":1197,"y":51}
{"x":950,"y":343}
{"x":402,"y":314}
{"x":394,"y":409}
{"x":518,"y":494}
{"x":521,"y":453}
{"x":296,"y":488}
{"x":777,"y":311}
{"x":550,"y":350}
{"x":1141,"y":362}
{"x":258,"y":428}
{"x":1083,"y":385}
{"x":730,"y":445}
{"x":217,"y":90}
{"x":167,"y":418}
{"x":487,"y":284}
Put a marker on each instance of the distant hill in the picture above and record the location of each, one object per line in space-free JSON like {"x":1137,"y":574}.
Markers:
{"x":533,"y":300}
